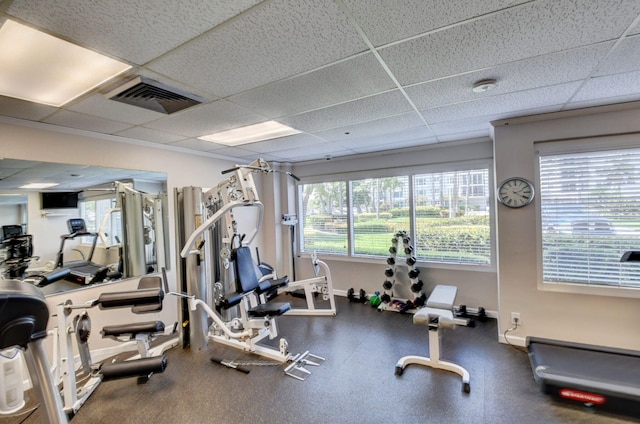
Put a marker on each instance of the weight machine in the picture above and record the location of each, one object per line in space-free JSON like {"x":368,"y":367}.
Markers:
{"x":75,"y":328}
{"x":209,"y":234}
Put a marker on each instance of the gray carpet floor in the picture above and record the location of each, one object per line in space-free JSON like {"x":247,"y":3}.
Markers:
{"x":356,"y":383}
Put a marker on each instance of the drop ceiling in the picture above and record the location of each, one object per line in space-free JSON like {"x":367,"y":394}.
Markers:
{"x":355,"y":76}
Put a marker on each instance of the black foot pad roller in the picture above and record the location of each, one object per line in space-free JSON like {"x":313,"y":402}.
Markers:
{"x":143,"y":367}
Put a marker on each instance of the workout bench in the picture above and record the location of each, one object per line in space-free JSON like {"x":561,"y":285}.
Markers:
{"x":437,"y":313}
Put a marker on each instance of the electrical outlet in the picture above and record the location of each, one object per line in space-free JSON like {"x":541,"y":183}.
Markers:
{"x":515,"y":318}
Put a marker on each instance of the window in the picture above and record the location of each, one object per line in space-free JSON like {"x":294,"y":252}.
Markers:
{"x":446,"y":214}
{"x":590,"y":209}
{"x":380,"y":209}
{"x":100,"y":213}
{"x":324,"y":217}
{"x":452,"y":217}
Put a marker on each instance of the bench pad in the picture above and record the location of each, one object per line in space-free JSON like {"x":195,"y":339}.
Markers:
{"x":133,"y":328}
{"x":269,"y":309}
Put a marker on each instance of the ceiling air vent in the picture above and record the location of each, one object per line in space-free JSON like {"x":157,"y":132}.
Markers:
{"x":153,"y":95}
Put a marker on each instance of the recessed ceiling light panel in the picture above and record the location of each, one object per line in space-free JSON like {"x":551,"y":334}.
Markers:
{"x":39,"y":185}
{"x":40,"y":68}
{"x":250,"y":134}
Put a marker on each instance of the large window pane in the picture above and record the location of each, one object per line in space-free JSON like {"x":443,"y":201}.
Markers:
{"x":452,"y":217}
{"x":380,"y":209}
{"x":323,"y":215}
{"x":590,"y":204}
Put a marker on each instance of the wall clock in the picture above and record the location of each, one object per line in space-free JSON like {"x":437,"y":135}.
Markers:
{"x":516,"y":192}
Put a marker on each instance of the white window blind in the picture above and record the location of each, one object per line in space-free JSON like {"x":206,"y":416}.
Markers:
{"x":590,"y":215}
{"x":380,"y":208}
{"x":452,"y":217}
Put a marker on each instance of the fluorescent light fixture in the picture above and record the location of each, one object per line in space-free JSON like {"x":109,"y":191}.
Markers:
{"x":39,"y":185}
{"x":40,"y":68}
{"x":250,"y":134}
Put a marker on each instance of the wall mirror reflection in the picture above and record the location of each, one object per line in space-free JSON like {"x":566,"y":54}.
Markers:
{"x":64,"y":226}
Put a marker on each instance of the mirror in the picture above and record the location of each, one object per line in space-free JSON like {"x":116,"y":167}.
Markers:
{"x":124,"y":213}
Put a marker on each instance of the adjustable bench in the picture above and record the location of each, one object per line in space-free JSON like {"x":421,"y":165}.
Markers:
{"x":438,"y":313}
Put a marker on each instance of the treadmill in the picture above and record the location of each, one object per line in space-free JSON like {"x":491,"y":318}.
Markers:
{"x":596,"y":376}
{"x":82,"y":271}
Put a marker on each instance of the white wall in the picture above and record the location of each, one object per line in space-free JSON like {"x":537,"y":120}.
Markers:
{"x":10,"y":215}
{"x":592,"y":319}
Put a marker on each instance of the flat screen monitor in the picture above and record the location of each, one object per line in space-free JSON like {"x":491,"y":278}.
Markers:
{"x":59,"y":200}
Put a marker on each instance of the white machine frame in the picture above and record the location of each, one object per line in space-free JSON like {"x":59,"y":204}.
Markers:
{"x":243,"y":332}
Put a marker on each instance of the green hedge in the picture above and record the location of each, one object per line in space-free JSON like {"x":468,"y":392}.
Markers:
{"x":377,"y":226}
{"x":368,"y":216}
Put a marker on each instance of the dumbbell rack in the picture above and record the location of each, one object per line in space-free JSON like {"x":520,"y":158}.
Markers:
{"x":389,"y":302}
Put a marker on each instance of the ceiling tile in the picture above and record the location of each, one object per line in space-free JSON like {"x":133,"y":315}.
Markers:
{"x":276,"y":40}
{"x":507,"y":103}
{"x":23,"y":109}
{"x":478,"y":124}
{"x":385,"y":21}
{"x":346,"y":80}
{"x":627,"y":84}
{"x":382,"y":148}
{"x":373,"y":128}
{"x":624,"y":58}
{"x":466,"y":135}
{"x":206,"y":119}
{"x":367,"y":109}
{"x":416,"y":135}
{"x":147,"y":134}
{"x":195,"y":144}
{"x":601,"y":102}
{"x":86,"y":122}
{"x":110,"y":26}
{"x":297,"y":141}
{"x":509,"y":36}
{"x":319,"y":150}
{"x":530,"y":73}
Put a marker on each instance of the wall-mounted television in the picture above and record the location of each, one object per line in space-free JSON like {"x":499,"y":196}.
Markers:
{"x":59,"y":200}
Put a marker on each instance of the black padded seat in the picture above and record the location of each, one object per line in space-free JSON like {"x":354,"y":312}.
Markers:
{"x":133,"y":328}
{"x":269,"y":309}
{"x":268,"y":285}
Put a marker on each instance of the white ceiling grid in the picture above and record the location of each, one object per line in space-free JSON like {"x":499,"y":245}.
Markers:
{"x":355,"y":76}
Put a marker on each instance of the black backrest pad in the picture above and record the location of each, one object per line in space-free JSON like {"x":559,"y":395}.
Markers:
{"x":245,"y":270}
{"x":23,"y":313}
{"x":149,"y":282}
{"x":130,"y":298}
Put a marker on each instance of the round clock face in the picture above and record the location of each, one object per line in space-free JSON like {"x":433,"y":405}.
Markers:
{"x":515,"y":192}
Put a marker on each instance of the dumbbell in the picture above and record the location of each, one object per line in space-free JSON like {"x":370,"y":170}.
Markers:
{"x":411,"y":261}
{"x":413,"y":273}
{"x":408,"y":250}
{"x":391,"y":261}
{"x":387,"y":285}
{"x":389,"y":272}
{"x":420,"y":300}
{"x":417,"y":286}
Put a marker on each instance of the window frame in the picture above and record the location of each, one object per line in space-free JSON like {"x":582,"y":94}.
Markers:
{"x":583,"y":145}
{"x":409,"y":172}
